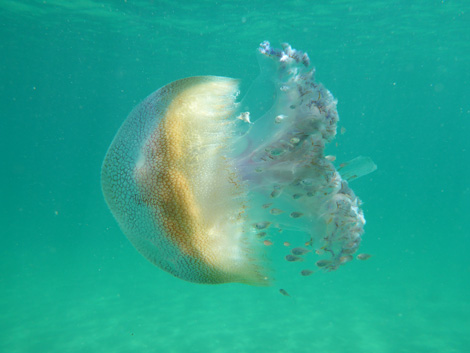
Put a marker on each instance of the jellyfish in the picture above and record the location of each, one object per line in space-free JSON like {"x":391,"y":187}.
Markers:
{"x":194,"y":176}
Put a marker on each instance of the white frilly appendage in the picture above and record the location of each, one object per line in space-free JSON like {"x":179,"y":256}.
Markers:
{"x":285,"y":167}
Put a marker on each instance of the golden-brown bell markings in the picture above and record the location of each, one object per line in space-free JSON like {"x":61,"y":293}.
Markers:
{"x":363,"y":256}
{"x":293,"y":258}
{"x":300,"y":251}
{"x":267,"y":242}
{"x":306,"y":272}
{"x":168,"y":190}
{"x":286,"y":243}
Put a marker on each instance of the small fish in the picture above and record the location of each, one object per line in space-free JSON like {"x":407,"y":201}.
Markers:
{"x":346,"y":258}
{"x":267,"y":205}
{"x":268,"y":242}
{"x":363,"y":256}
{"x":286,"y":243}
{"x":330,"y":158}
{"x":294,"y":140}
{"x":275,"y":193}
{"x":307,"y":181}
{"x":276,"y":211}
{"x":261,"y":234}
{"x":306,"y":272}
{"x":296,"y":214}
{"x":300,"y":251}
{"x":284,"y":292}
{"x":297,"y":196}
{"x":262,"y":225}
{"x":293,"y":258}
{"x":323,"y":263}
{"x":343,"y":130}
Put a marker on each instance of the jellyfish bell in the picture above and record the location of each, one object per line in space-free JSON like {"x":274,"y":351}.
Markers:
{"x":193,"y":177}
{"x":169,"y":182}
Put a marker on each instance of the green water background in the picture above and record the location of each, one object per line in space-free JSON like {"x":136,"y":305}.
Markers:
{"x":71,"y":71}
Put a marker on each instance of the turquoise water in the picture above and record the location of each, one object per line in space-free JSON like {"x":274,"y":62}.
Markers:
{"x":71,"y":71}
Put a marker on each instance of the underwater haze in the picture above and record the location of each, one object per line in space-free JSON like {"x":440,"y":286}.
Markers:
{"x":71,"y":72}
